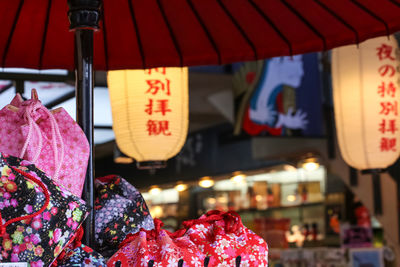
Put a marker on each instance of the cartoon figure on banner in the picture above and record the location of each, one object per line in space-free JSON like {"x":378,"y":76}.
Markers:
{"x":269,"y":103}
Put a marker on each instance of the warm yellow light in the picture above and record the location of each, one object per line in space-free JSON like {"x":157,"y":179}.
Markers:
{"x":239,"y":178}
{"x":289,"y":168}
{"x":181,"y":187}
{"x":291,"y":198}
{"x":366,"y":98}
{"x":155,"y":190}
{"x":150,"y":111}
{"x":310,"y":166}
{"x":206,"y":182}
{"x":222,"y":200}
{"x":123,"y":160}
{"x":259,"y":198}
{"x":212,"y":201}
{"x":309,"y":163}
{"x":156,"y":212}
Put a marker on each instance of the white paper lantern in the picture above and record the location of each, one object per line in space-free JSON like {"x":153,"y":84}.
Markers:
{"x":366,"y":103}
{"x":150,"y":111}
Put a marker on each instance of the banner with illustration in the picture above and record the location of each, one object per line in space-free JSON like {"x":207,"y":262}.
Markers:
{"x":280,"y":96}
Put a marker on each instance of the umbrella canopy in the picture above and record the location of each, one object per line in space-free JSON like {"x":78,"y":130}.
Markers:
{"x":154,"y":33}
{"x":151,"y":33}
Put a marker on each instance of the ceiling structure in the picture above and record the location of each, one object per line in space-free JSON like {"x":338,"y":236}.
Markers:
{"x":210,"y":97}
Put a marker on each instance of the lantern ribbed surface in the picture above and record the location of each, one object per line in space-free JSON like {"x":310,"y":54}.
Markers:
{"x":366,"y":102}
{"x":150,"y":111}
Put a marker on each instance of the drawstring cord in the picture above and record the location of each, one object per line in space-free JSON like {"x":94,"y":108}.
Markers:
{"x":29,"y":109}
{"x":231,"y":219}
{"x":232,"y":224}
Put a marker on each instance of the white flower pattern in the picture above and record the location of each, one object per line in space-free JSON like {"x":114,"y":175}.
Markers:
{"x":244,"y":264}
{"x":196,"y":262}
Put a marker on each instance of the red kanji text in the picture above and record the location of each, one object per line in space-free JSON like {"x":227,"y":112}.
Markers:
{"x":388,"y":144}
{"x":385,"y":51}
{"x":155,"y":127}
{"x":388,"y":126}
{"x":389,"y":108}
{"x":161,"y":107}
{"x":387,"y":69}
{"x":159,"y":70}
{"x":156,"y":85}
{"x":149,"y":107}
{"x":387,"y":89}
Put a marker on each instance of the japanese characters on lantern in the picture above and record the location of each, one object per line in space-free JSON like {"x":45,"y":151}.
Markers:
{"x":366,"y":102}
{"x":158,"y":94}
{"x":150,"y":111}
{"x":386,"y":91}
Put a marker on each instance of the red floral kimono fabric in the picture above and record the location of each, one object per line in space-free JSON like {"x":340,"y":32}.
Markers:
{"x":216,"y":239}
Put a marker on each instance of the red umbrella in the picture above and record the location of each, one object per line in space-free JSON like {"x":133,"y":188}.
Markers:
{"x":151,"y":33}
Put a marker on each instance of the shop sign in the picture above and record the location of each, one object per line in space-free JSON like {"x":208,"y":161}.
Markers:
{"x":280,"y":96}
{"x":354,"y":236}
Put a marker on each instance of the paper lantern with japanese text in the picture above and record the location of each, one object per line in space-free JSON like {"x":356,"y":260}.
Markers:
{"x":150,"y":111}
{"x":366,"y":102}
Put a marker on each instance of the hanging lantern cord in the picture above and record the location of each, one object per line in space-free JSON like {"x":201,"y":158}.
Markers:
{"x":353,"y":176}
{"x":376,"y":187}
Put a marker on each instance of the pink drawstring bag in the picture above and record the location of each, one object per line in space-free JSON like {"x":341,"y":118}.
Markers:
{"x":52,"y":140}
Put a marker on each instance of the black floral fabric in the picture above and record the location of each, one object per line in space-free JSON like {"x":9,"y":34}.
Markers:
{"x":40,"y":239}
{"x":120,"y":210}
{"x":82,"y":256}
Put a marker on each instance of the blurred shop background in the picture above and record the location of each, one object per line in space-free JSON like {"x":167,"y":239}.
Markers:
{"x":287,"y":180}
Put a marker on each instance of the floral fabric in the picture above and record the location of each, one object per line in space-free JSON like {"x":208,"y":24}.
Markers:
{"x":226,"y":241}
{"x":82,"y":256}
{"x":120,"y":210}
{"x":158,"y":246}
{"x":76,"y":152}
{"x":38,"y":240}
{"x":216,"y":239}
{"x":63,"y":147}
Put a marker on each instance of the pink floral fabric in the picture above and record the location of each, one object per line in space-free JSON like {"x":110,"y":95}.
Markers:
{"x":76,"y":152}
{"x":66,"y":162}
{"x":11,"y":138}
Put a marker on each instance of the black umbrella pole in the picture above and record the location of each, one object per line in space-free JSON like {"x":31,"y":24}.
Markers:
{"x":84,"y":117}
{"x":84,"y":18}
